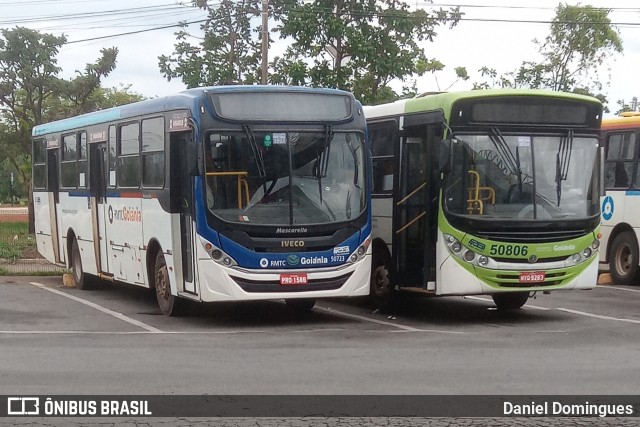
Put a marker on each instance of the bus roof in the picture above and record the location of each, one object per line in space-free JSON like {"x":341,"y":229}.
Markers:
{"x":626,"y":121}
{"x":187,"y":99}
{"x":444,"y":101}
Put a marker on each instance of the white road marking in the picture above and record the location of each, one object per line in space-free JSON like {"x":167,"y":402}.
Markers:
{"x":535,"y":307}
{"x":598,"y":316}
{"x":382,"y":322}
{"x":115,"y":314}
{"x":619,"y":289}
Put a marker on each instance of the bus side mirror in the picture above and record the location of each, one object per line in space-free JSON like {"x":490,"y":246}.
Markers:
{"x":194,"y":158}
{"x":444,"y":156}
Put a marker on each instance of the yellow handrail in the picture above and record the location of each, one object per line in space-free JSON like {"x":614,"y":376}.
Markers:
{"x":242,"y":183}
{"x":408,"y":196}
{"x":478,"y":195}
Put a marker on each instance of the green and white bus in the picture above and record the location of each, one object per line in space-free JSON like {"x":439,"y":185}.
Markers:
{"x":490,"y":192}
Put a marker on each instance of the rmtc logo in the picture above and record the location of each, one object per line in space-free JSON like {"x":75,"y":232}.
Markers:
{"x":478,"y":245}
{"x":293,"y":260}
{"x":292,"y":243}
{"x":125,"y":214}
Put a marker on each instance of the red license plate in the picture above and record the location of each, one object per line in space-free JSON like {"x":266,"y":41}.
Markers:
{"x":293,"y":279}
{"x":532,"y":277}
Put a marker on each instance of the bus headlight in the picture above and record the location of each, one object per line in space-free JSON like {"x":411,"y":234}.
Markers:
{"x":595,"y":244}
{"x":469,"y":256}
{"x":586,"y":252}
{"x":453,"y":244}
{"x":483,"y":261}
{"x":360,"y":253}
{"x":217,"y":254}
{"x":576,"y":258}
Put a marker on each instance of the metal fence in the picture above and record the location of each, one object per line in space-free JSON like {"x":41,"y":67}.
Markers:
{"x":18,"y":252}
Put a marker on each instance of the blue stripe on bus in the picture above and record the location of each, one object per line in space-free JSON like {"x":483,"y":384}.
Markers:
{"x":77,"y":122}
{"x":632,"y":193}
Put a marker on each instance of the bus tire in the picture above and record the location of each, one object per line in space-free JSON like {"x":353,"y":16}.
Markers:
{"x":299,"y":306}
{"x":623,"y":258}
{"x":380,"y":291}
{"x":168,"y":303}
{"x":510,"y":300}
{"x":82,"y":279}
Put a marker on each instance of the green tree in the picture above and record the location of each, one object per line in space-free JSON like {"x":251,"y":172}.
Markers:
{"x":81,"y":89}
{"x":228,"y":53}
{"x":581,"y":40}
{"x":624,"y":107}
{"x":357,"y":45}
{"x":30,"y":89}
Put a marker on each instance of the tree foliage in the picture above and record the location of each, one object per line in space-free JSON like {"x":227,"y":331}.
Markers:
{"x":357,"y":45}
{"x":228,"y":53}
{"x":581,"y":40}
{"x":31,"y":92}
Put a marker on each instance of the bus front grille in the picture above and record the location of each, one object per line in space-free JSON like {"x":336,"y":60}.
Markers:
{"x":511,"y":279}
{"x":526,"y":260}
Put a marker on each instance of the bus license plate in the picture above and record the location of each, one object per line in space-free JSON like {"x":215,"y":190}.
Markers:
{"x":293,"y":279}
{"x":532,"y":277}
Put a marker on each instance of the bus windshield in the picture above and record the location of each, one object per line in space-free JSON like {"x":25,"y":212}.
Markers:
{"x":285,"y":178}
{"x":523,"y":176}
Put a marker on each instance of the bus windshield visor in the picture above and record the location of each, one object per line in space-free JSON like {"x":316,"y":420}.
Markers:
{"x":523,"y":177}
{"x":285,"y":178}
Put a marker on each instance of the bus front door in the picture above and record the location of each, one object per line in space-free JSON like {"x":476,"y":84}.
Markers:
{"x":98,"y":186}
{"x":414,"y":217}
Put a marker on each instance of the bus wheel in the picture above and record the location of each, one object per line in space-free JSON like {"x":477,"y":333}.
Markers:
{"x":380,"y":287}
{"x":168,"y":303}
{"x":303,"y":305}
{"x":82,"y":279}
{"x":623,"y":262}
{"x":511,"y":300}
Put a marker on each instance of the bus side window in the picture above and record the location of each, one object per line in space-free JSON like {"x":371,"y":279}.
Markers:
{"x":153,"y":152}
{"x":82,"y":161}
{"x":128,"y":169}
{"x":383,"y":137}
{"x":39,"y":164}
{"x":68,"y":163}
{"x":618,"y":167}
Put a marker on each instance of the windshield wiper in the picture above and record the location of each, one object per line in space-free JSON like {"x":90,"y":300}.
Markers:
{"x":354,"y":153}
{"x":257,"y":154}
{"x":322,"y":158}
{"x":505,"y":152}
{"x":563,"y":158}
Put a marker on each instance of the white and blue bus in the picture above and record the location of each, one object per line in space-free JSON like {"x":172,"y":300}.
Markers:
{"x":215,"y":194}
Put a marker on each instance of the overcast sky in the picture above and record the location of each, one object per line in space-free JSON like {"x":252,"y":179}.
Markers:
{"x":472,"y":44}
